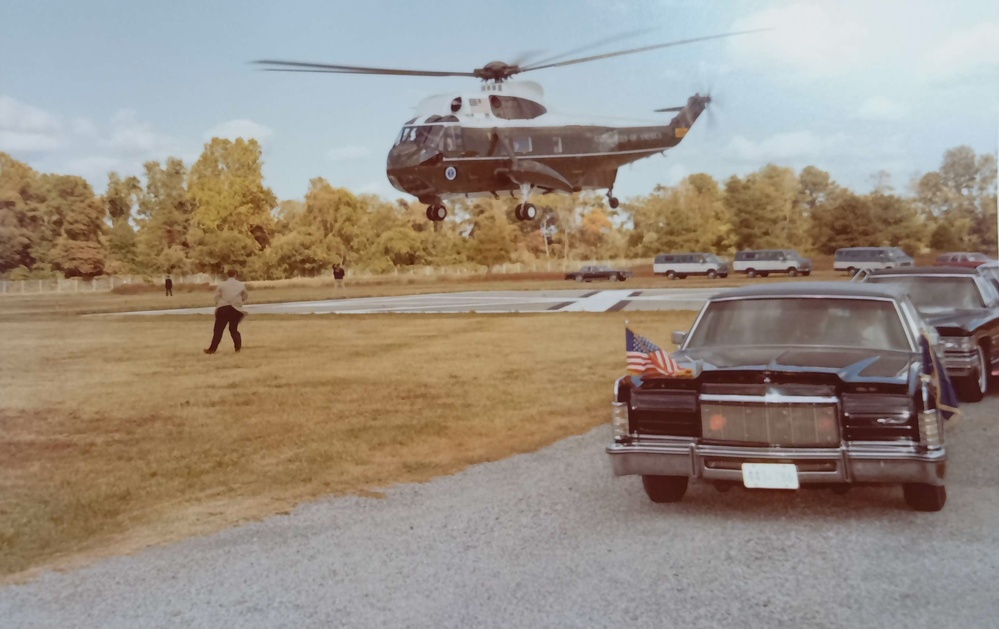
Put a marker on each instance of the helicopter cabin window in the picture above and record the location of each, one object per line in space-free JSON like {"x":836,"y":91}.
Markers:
{"x":515,"y":108}
{"x":522,"y":144}
{"x":452,"y":140}
{"x":556,"y":145}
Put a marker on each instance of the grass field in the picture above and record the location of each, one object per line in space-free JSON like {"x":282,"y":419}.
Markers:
{"x":117,"y":433}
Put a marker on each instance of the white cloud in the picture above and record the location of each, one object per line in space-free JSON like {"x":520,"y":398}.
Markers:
{"x":784,"y":147}
{"x":965,"y":53}
{"x":84,"y":127}
{"x":348,"y":153}
{"x":28,"y":129}
{"x":805,"y":36}
{"x":241,"y":128}
{"x":131,"y":136}
{"x":879,"y":108}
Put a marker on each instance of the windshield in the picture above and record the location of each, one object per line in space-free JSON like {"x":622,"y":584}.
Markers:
{"x":710,"y":257}
{"x":423,"y":135}
{"x":936,"y":293}
{"x":799,"y":321}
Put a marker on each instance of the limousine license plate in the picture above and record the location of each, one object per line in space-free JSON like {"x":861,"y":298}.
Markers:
{"x":770,"y":476}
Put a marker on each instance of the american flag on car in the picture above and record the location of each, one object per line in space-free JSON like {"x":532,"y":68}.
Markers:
{"x":646,"y":358}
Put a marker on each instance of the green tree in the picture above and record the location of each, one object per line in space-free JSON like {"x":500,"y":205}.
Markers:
{"x":765,"y":209}
{"x":119,"y":200}
{"x":491,"y":242}
{"x":165,"y":211}
{"x":688,"y":217}
{"x":963,"y":193}
{"x":848,"y":222}
{"x":232,"y":217}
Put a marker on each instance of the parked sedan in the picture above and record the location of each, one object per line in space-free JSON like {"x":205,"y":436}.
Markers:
{"x":964,"y":307}
{"x":962,"y":258}
{"x":811,"y":383}
{"x":590,"y":273}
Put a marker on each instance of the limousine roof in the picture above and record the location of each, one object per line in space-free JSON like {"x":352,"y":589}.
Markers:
{"x":816,"y":289}
{"x":925,"y":270}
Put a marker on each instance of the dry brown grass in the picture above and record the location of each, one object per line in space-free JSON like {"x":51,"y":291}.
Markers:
{"x":117,"y":433}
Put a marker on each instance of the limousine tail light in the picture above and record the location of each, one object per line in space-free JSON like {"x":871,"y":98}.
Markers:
{"x":619,"y":420}
{"x":930,"y":434}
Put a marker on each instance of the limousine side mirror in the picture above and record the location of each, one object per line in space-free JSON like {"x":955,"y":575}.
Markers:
{"x":678,"y":338}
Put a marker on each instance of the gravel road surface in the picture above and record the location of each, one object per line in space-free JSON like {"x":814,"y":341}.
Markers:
{"x":551,"y":539}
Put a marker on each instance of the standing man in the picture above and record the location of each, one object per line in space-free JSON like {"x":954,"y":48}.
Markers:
{"x":229,"y":298}
{"x":169,"y":286}
{"x":338,"y":275}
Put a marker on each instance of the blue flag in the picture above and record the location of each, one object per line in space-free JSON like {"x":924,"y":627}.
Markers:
{"x":943,"y":389}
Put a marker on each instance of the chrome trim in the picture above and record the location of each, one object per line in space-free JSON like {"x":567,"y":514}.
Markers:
{"x":870,"y":462}
{"x":769,"y":399}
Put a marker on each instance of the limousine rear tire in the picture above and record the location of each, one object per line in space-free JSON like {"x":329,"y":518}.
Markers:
{"x":923,"y":497}
{"x":663,"y":489}
{"x":972,"y":388}
{"x":792,"y":272}
{"x":712,"y":274}
{"x":670,"y":275}
{"x":751,"y":273}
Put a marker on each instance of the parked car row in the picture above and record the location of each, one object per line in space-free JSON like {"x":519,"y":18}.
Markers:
{"x":815,"y":384}
{"x":763,"y":262}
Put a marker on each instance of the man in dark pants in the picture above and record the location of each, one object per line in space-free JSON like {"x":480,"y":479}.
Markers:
{"x":229,"y":298}
{"x":169,"y":286}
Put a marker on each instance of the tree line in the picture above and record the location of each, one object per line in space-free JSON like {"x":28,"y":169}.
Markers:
{"x":219,"y":214}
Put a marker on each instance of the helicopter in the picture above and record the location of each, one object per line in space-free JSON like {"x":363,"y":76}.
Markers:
{"x":503,"y":140}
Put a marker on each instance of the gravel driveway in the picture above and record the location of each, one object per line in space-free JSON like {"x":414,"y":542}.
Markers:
{"x":551,"y":539}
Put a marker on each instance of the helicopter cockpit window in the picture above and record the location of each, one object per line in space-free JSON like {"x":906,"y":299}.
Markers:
{"x":433,"y":136}
{"x":515,"y":108}
{"x":408,"y":135}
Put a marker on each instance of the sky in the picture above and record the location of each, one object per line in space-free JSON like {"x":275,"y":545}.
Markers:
{"x":853,"y":87}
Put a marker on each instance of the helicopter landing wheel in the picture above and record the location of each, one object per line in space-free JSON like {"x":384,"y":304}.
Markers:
{"x":613,"y":202}
{"x":528,"y":212}
{"x":436,"y":212}
{"x":518,"y":212}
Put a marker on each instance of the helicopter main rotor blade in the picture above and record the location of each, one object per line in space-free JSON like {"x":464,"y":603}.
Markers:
{"x":602,"y":42}
{"x":302,"y":66}
{"x":641,"y":49}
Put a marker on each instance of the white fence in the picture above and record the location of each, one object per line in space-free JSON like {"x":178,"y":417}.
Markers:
{"x":102,"y":284}
{"x":109,"y":283}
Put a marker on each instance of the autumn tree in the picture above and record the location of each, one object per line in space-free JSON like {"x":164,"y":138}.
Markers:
{"x":18,"y":214}
{"x":80,"y":248}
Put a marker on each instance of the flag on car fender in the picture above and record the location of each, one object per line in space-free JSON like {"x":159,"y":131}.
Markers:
{"x":646,"y":358}
{"x":940,"y":384}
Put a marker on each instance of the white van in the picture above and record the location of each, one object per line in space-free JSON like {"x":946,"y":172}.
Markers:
{"x":680,"y":265}
{"x":854,"y":259}
{"x":763,"y":262}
